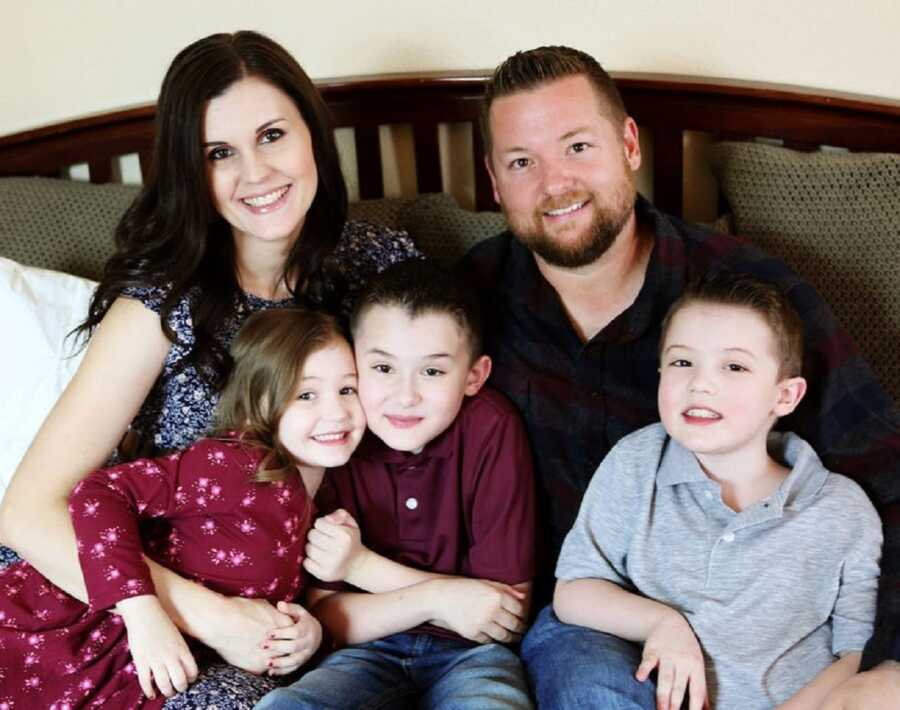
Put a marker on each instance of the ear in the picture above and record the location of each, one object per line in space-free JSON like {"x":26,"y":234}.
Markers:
{"x":631,"y":143}
{"x":489,"y":165}
{"x":790,"y":392}
{"x":478,"y":374}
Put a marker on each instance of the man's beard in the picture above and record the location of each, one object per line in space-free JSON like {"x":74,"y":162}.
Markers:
{"x":586,"y":248}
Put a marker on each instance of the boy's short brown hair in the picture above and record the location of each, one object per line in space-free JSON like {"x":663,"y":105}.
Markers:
{"x":530,"y":69}
{"x":763,"y":298}
{"x":419,"y":287}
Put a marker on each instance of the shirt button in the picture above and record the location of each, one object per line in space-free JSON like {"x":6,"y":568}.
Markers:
{"x":412,"y":503}
{"x":728,"y":537}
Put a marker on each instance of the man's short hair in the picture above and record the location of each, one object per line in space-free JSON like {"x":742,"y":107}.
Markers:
{"x":762,"y":297}
{"x":420,"y":287}
{"x":528,"y":70}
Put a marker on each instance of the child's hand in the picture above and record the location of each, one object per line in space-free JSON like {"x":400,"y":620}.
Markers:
{"x":673,"y":649}
{"x":292,"y":646}
{"x":333,"y":547}
{"x":158,"y":649}
{"x":481,"y":610}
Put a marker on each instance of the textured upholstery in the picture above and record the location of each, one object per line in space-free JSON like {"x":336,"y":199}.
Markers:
{"x":835,"y":218}
{"x":61,"y":225}
{"x":444,"y":230}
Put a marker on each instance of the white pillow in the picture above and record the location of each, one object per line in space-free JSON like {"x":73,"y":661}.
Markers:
{"x":38,"y":308}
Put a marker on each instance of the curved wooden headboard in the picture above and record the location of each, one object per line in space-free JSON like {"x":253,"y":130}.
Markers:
{"x":666,"y":105}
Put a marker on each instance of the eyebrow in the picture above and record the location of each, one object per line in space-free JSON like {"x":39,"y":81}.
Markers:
{"x":564,"y":137}
{"x":384,"y":353}
{"x":727,"y":350}
{"x":263,"y":127}
{"x":316,"y":377}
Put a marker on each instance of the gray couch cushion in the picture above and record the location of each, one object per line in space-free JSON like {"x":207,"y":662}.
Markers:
{"x":62,"y":225}
{"x":443,"y":230}
{"x":835,"y":218}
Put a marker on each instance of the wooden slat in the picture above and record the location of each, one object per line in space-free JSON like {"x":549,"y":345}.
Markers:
{"x":428,"y":157}
{"x":668,"y":169}
{"x":368,"y":163}
{"x":100,"y":171}
{"x":484,"y":191}
{"x":145,"y":157}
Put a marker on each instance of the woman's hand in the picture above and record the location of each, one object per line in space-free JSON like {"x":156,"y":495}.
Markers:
{"x":292,"y":646}
{"x":160,"y":654}
{"x":672,"y":648}
{"x":243,"y":625}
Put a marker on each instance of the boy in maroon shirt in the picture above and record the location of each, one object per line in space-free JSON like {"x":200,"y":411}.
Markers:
{"x":441,"y":492}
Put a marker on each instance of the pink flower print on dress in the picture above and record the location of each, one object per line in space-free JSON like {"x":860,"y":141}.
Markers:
{"x":215,"y":491}
{"x":111,"y":535}
{"x":272,"y":586}
{"x":249,"y":592}
{"x":280,"y":549}
{"x":86,"y":685}
{"x":7,"y":704}
{"x":30,"y":659}
{"x":61,"y":705}
{"x":249,"y":499}
{"x":32,"y":683}
{"x":42,"y":614}
{"x":111,"y":573}
{"x":217,"y":556}
{"x":90,"y":508}
{"x":284,"y":495}
{"x":202,"y":483}
{"x":181,"y":496}
{"x":98,"y":551}
{"x":247,"y":526}
{"x":69,"y":668}
{"x":236,"y":558}
{"x":208,"y":527}
{"x":217,"y":458}
{"x":133,"y":587}
{"x":36,"y":641}
{"x":97,"y":636}
{"x":149,"y":468}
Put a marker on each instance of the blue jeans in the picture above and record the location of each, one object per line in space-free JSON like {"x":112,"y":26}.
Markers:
{"x":576,"y":667}
{"x":409,"y":671}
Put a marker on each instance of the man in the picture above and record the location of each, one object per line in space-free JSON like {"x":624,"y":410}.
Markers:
{"x":576,"y":291}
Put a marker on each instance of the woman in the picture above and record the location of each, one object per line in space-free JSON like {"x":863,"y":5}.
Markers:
{"x":243,"y":209}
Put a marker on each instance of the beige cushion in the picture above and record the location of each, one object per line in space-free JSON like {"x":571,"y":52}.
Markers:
{"x":385,"y":212}
{"x":443,"y":230}
{"x":835,"y":218}
{"x":62,"y":225}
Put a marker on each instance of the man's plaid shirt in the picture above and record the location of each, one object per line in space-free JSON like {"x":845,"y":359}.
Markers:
{"x":578,"y":399}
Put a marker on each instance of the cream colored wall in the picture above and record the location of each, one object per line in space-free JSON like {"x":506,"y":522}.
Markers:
{"x":66,"y":58}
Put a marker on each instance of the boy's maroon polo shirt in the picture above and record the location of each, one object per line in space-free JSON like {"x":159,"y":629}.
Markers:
{"x":463,"y":506}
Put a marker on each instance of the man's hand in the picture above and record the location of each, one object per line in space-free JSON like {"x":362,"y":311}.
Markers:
{"x":877,"y":688}
{"x":672,"y":648}
{"x":292,"y":646}
{"x":159,"y":651}
{"x":334,"y":548}
{"x":480,"y":610}
{"x":245,"y":624}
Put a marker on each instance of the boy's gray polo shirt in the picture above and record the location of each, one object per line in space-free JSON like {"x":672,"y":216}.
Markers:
{"x":773,"y":593}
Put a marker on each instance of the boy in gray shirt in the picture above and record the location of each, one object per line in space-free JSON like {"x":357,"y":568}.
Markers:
{"x":708,"y":549}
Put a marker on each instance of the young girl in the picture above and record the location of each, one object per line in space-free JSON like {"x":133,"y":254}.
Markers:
{"x":230,"y":512}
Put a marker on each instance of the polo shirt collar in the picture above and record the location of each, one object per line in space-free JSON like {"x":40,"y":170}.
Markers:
{"x":802,"y":485}
{"x":663,"y":282}
{"x":374,"y":449}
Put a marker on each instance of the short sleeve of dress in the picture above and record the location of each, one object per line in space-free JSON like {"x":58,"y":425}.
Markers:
{"x":367,"y":249}
{"x":151,"y":296}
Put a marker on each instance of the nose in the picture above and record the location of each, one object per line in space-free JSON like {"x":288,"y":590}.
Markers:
{"x":337,"y":408}
{"x":408,"y":392}
{"x":558,"y":177}
{"x":254,"y":167}
{"x":701,"y":381}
